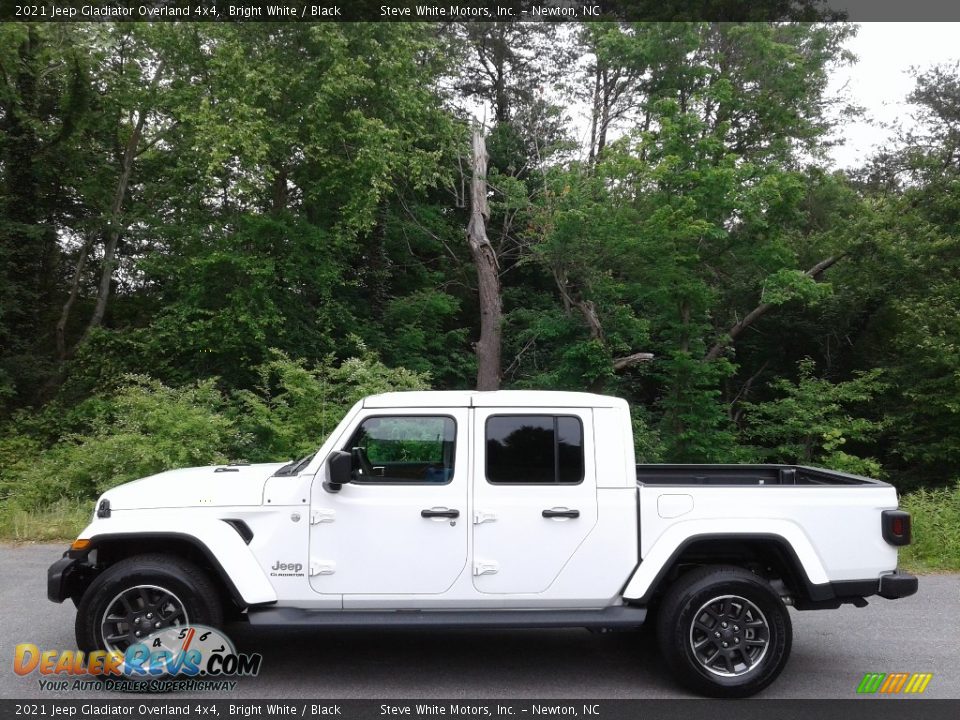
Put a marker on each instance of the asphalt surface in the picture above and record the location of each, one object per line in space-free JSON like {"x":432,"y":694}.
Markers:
{"x":832,"y":650}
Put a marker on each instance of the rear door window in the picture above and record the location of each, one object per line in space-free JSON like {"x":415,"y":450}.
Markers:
{"x":534,"y":449}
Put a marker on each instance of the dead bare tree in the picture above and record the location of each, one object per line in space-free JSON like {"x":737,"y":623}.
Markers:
{"x":488,"y":271}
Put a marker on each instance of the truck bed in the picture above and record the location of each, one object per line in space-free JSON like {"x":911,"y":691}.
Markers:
{"x":664,"y":474}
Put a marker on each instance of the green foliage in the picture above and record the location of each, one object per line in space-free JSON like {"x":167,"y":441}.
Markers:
{"x":145,"y":427}
{"x":786,"y":285}
{"x":419,"y":337}
{"x":935,"y":515}
{"x":812,"y":421}
{"x":410,"y":440}
{"x":61,"y":520}
{"x":929,"y":376}
{"x":142,"y":429}
{"x":647,"y":443}
{"x":295,"y":406}
{"x":298,"y":194}
{"x":695,"y":424}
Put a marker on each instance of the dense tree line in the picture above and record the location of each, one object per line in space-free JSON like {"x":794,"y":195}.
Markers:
{"x":214,"y":236}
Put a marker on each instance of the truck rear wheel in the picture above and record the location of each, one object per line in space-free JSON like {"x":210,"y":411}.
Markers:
{"x":724,"y":631}
{"x":143,"y":594}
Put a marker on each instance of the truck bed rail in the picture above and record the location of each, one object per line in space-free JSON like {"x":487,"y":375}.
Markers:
{"x":664,"y":474}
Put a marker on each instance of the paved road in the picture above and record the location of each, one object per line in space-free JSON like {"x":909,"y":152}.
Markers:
{"x":831,"y":651}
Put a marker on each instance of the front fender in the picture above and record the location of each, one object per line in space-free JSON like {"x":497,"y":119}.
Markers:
{"x":221,"y":545}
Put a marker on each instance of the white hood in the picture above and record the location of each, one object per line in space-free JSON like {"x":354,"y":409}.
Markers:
{"x":217,"y":485}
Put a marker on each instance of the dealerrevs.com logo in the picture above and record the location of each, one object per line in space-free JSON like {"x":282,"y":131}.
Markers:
{"x":894,"y":683}
{"x":186,"y":657}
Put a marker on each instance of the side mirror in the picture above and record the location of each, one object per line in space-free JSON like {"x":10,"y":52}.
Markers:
{"x":339,"y":471}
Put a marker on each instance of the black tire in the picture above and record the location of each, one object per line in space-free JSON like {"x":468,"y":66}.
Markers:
{"x":180,"y":578}
{"x":691,"y":631}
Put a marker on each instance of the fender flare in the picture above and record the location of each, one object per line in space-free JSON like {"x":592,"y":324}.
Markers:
{"x":218,"y":542}
{"x":804,"y":562}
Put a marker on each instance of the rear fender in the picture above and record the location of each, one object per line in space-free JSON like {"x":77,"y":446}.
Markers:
{"x":657,"y":563}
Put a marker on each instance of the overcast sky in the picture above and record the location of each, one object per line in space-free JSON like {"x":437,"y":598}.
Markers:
{"x":879,"y":80}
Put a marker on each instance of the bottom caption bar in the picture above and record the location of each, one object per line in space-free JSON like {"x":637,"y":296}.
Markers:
{"x":755,"y":709}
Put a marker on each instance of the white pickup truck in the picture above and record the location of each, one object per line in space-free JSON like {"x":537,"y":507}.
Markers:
{"x":491,"y":510}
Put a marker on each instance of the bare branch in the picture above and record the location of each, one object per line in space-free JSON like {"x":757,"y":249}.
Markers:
{"x":628,"y":360}
{"x":760,"y":310}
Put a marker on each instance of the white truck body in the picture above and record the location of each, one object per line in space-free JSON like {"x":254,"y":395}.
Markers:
{"x":452,"y":538}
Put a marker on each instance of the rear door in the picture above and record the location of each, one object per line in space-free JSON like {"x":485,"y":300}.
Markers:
{"x":535,"y":495}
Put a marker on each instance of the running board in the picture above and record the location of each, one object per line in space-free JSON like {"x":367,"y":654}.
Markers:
{"x":620,"y":616}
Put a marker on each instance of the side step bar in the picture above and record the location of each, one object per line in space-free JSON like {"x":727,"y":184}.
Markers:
{"x":620,"y":616}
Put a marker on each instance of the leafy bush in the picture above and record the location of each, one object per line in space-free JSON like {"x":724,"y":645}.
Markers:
{"x":936,"y":529}
{"x":295,"y":406}
{"x":695,"y":423}
{"x":813,"y":420}
{"x":51,"y":464}
{"x":144,"y":428}
{"x":647,"y":443}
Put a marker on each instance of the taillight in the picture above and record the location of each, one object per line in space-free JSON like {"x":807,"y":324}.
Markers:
{"x":895,"y":525}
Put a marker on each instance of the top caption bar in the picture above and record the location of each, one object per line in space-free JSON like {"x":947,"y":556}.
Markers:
{"x":476,"y":10}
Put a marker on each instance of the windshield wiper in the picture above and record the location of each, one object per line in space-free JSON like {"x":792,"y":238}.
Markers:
{"x":302,"y":464}
{"x":295,"y":466}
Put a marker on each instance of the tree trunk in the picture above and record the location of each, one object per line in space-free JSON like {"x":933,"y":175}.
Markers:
{"x":685,"y":325}
{"x":605,"y":102}
{"x":595,"y":114}
{"x":488,"y":272}
{"x":621,"y":363}
{"x":74,"y":291}
{"x":280,"y":193}
{"x":116,"y":208}
{"x":113,"y":228}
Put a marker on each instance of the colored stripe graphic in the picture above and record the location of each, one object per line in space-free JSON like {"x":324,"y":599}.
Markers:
{"x":871,"y":682}
{"x":918,"y":683}
{"x":894,"y":683}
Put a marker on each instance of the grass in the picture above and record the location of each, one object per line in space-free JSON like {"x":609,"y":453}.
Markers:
{"x":936,"y":530}
{"x":63,"y":520}
{"x":935,"y":513}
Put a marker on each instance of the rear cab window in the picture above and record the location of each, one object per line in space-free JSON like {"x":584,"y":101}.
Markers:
{"x":534,"y":449}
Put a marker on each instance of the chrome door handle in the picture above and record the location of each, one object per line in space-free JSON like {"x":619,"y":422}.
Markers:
{"x":439,"y":512}
{"x":561,"y":513}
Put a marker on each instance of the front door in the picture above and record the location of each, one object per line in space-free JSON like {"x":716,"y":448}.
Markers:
{"x":534,"y":493}
{"x":401,"y":526}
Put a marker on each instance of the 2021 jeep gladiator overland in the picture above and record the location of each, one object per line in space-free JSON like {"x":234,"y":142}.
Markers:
{"x":491,"y":510}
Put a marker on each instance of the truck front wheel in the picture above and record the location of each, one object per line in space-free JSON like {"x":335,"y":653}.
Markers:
{"x":724,"y":631}
{"x":141,"y":595}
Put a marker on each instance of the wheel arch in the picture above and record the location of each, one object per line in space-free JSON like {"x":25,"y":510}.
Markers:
{"x":220,"y":550}
{"x":770,"y":555}
{"x":113,"y":548}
